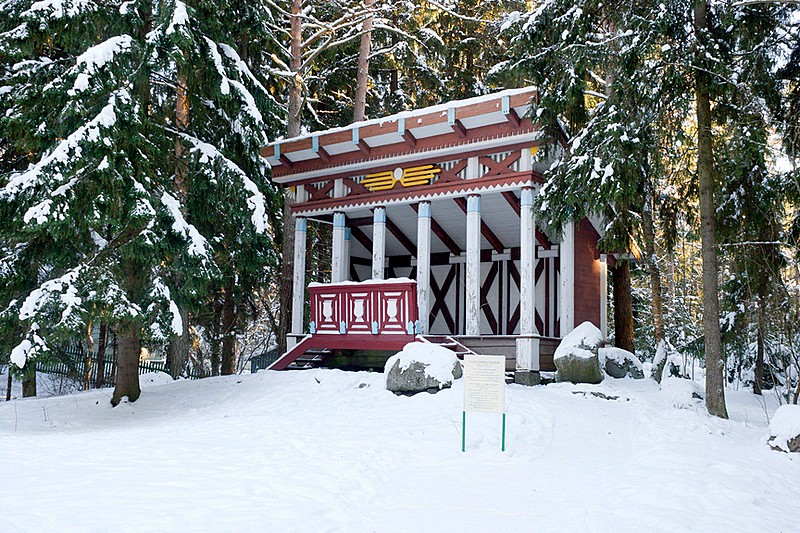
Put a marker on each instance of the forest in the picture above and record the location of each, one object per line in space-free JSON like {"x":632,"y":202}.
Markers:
{"x":136,"y":211}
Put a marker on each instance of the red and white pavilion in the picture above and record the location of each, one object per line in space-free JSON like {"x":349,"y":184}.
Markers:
{"x":435,"y":236}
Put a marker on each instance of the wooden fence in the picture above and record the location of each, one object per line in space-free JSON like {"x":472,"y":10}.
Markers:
{"x":72,"y":361}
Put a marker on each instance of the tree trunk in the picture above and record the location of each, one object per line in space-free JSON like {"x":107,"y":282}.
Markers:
{"x":623,"y":305}
{"x":293,"y":130}
{"x":228,"y":336}
{"x":8,"y":385}
{"x":29,"y":382}
{"x":179,"y":346}
{"x":89,"y":353}
{"x":657,"y":307}
{"x":715,"y":362}
{"x":102,"y":337}
{"x":128,"y":363}
{"x":758,"y":382}
{"x":129,"y":342}
{"x":362,"y":75}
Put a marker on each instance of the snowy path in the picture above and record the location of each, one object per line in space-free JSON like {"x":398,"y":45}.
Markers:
{"x":326,"y":450}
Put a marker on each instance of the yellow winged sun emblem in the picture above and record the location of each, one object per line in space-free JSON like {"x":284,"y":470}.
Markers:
{"x":407,"y":177}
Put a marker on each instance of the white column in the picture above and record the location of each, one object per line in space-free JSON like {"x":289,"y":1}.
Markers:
{"x":527,"y":265}
{"x":299,"y":279}
{"x":527,"y":342}
{"x":566,"y":252}
{"x":348,"y":235}
{"x":338,"y":272}
{"x":378,"y":242}
{"x":473,"y":276}
{"x":604,"y":296}
{"x":423,"y":265}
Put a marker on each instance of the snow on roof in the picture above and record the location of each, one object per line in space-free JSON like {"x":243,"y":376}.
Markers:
{"x":411,"y":113}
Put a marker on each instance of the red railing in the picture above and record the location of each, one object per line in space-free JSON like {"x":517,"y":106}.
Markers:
{"x":367,"y":308}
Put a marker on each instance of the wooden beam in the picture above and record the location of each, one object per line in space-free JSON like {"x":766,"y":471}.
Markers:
{"x":410,"y":139}
{"x":442,"y":235}
{"x":459,"y":128}
{"x":364,"y":147}
{"x":286,"y":161}
{"x":400,"y":236}
{"x":513,"y":118}
{"x":512,"y":200}
{"x":486,"y":231}
{"x":359,"y":221}
{"x":361,"y":237}
{"x":324,"y":155}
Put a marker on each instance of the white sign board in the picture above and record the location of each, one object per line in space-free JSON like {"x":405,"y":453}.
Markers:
{"x":484,"y":383}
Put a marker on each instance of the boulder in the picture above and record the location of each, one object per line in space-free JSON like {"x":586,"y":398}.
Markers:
{"x":576,"y":358}
{"x":421,"y":367}
{"x":619,"y":363}
{"x":784,"y":429}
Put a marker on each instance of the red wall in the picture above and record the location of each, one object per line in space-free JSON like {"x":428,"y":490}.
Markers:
{"x":587,"y":274}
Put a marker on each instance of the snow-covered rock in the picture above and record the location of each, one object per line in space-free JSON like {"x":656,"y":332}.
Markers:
{"x":421,"y":367}
{"x":666,"y":363}
{"x":784,"y":429}
{"x":619,"y":363}
{"x":576,"y":358}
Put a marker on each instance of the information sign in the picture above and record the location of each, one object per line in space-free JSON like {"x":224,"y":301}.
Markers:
{"x":484,"y":390}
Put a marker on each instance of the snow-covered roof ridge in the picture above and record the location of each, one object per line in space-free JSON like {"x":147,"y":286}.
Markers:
{"x":412,"y":113}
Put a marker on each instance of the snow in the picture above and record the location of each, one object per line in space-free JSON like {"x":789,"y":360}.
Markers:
{"x":582,"y":336}
{"x":438,"y":361}
{"x":65,"y":150}
{"x":180,"y":17}
{"x":197,"y":243}
{"x":785,"y":425}
{"x":325,"y":450}
{"x":19,"y":355}
{"x":153,"y":379}
{"x":619,"y":355}
{"x":388,"y":281}
{"x":97,"y":57}
{"x":177,"y":321}
{"x":256,"y":202}
{"x":58,"y":9}
{"x":224,"y":87}
{"x":414,"y":113}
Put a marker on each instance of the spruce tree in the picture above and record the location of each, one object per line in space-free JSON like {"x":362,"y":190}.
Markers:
{"x":101,"y":222}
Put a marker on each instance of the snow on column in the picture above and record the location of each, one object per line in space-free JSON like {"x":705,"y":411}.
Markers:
{"x":338,"y":272}
{"x":423,"y":265}
{"x":473,"y":275}
{"x":378,"y":242}
{"x":299,"y":283}
{"x":527,"y":346}
{"x":567,"y":260}
{"x":604,"y":296}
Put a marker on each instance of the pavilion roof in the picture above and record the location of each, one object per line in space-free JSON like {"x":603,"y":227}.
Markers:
{"x":450,"y":128}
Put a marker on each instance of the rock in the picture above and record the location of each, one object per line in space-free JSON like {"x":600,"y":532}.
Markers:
{"x":421,"y":367}
{"x":576,"y":358}
{"x":784,"y":429}
{"x":619,"y":363}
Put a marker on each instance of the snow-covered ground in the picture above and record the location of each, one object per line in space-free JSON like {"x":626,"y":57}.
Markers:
{"x":326,"y":450}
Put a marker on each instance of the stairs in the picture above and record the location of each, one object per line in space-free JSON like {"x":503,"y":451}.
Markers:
{"x":450,"y":343}
{"x":313,"y":350}
{"x":313,"y":358}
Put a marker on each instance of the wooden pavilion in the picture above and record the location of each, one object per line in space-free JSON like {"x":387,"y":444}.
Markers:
{"x":435,"y":236}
